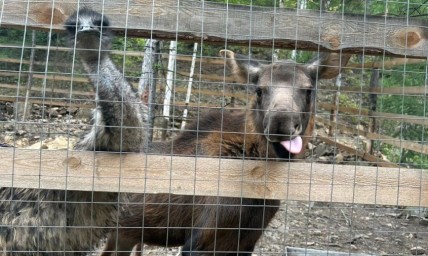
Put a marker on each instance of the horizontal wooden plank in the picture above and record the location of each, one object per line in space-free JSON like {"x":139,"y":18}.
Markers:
{"x":399,"y":90}
{"x":387,"y":63}
{"x":55,"y":77}
{"x":49,"y":102}
{"x":405,"y":144}
{"x":140,"y":173}
{"x":378,"y":115}
{"x":209,"y":22}
{"x":50,"y":90}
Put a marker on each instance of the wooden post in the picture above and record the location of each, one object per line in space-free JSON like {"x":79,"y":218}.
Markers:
{"x":374,"y":84}
{"x":169,"y":86}
{"x":335,"y":111}
{"x":30,"y":76}
{"x":189,"y":85}
{"x":147,"y":83}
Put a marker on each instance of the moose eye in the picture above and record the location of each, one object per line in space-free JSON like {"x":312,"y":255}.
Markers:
{"x":259,"y":91}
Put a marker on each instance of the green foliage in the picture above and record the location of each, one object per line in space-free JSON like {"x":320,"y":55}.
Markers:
{"x":404,"y":76}
{"x":268,"y":3}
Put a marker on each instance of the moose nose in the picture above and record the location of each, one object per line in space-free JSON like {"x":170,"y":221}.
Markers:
{"x":280,"y":125}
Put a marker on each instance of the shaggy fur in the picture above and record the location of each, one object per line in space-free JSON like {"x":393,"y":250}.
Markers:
{"x":53,"y":222}
{"x":280,"y":111}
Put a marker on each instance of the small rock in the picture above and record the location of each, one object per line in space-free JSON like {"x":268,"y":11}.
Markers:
{"x":320,"y":150}
{"x":360,"y":127}
{"x":334,"y":238}
{"x":323,"y":159}
{"x":9,"y":127}
{"x":21,"y":132}
{"x":53,"y":113}
{"x":423,"y":222}
{"x":72,"y":110}
{"x":317,"y":233}
{"x":417,"y":250}
{"x":338,"y":158}
{"x":63,"y":111}
{"x":9,"y":108}
{"x":412,"y":235}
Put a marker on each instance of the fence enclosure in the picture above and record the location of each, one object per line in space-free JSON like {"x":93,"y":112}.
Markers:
{"x":383,"y":183}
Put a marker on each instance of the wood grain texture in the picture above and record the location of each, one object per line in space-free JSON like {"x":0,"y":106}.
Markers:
{"x":216,"y":23}
{"x":139,"y":173}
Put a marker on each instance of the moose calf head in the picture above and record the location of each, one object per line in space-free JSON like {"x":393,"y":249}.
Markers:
{"x":284,"y":95}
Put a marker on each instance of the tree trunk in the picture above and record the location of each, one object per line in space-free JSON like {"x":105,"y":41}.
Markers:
{"x":169,"y":85}
{"x":147,"y":83}
{"x":189,"y":85}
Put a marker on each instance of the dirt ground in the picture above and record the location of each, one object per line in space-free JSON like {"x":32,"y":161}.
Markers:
{"x":374,"y":230}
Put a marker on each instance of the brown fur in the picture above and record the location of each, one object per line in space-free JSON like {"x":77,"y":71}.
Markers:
{"x":220,"y":225}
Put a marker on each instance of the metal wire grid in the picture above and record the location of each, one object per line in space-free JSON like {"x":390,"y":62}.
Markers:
{"x":277,"y":236}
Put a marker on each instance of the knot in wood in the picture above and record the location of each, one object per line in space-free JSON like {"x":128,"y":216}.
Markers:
{"x":332,"y":36}
{"x":72,"y":162}
{"x":257,"y":172}
{"x":48,"y":15}
{"x":408,"y":38}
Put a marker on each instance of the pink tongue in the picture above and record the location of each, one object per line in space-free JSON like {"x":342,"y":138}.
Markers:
{"x":294,"y":146}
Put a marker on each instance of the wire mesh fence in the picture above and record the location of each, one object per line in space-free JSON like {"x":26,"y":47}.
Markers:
{"x":213,"y":128}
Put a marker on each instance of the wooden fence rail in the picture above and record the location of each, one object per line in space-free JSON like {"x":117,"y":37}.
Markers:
{"x":193,"y":20}
{"x":140,"y":173}
{"x":400,"y":143}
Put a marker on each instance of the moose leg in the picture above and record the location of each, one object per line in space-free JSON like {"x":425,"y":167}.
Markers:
{"x":230,"y":228}
{"x":119,"y":244}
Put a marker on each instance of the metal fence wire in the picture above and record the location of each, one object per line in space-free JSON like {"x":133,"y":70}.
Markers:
{"x":263,"y":127}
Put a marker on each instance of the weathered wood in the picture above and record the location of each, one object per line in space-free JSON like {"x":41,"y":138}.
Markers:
{"x":334,"y":111}
{"x":30,"y":76}
{"x":139,"y":173}
{"x":48,"y":77}
{"x":387,"y":64}
{"x":405,"y":144}
{"x":49,"y":102}
{"x":399,"y":90}
{"x":210,"y":77}
{"x":51,"y":90}
{"x":216,"y":23}
{"x":189,"y":85}
{"x":379,"y":115}
{"x":370,"y":158}
{"x":374,"y":83}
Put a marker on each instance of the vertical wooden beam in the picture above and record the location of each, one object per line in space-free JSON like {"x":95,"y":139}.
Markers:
{"x":30,"y":76}
{"x":335,"y":111}
{"x":147,"y":83}
{"x":189,"y":85}
{"x":374,"y":84}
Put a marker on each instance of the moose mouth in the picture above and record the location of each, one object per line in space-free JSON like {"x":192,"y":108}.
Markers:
{"x":286,"y":148}
{"x":294,"y":146}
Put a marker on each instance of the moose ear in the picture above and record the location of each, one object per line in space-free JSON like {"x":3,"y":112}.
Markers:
{"x":244,"y":69}
{"x":327,"y":65}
